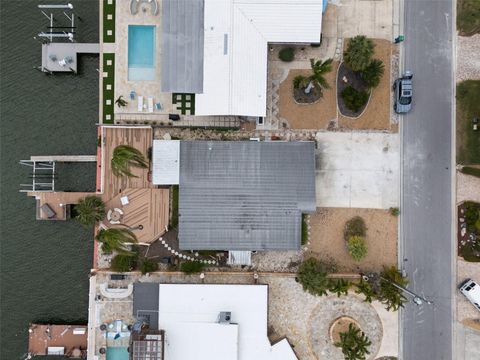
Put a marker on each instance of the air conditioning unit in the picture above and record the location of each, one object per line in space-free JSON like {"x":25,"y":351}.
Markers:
{"x":224,"y":317}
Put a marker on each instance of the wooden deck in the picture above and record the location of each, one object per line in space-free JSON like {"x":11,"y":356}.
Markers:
{"x":146,"y":207}
{"x":141,"y":139}
{"x":57,"y":202}
{"x":68,"y":337}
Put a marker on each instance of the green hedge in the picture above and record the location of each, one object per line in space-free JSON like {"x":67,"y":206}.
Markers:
{"x":287,"y":54}
{"x":468,"y":170}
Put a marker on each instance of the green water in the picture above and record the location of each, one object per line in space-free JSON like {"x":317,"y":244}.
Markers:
{"x":44,"y":265}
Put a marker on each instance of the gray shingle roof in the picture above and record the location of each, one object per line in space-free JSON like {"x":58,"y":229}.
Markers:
{"x":244,"y":195}
{"x":182,"y":46}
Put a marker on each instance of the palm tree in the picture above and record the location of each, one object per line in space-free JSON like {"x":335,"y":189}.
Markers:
{"x":389,"y":294}
{"x":121,"y":102}
{"x":354,"y":343}
{"x":364,"y":287}
{"x":359,"y":53}
{"x":373,"y":73}
{"x":115,"y":239}
{"x":124,"y":157}
{"x":339,"y":287}
{"x":320,"y":69}
{"x":90,"y":210}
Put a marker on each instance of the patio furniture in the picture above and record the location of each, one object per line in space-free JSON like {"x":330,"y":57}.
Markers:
{"x":140,"y":103}
{"x":115,"y":216}
{"x":174,"y":117}
{"x":109,"y":214}
{"x":158,"y":106}
{"x":132,"y":95}
{"x":150,"y":104}
{"x":124,"y":200}
{"x":47,"y":210}
{"x":134,"y":4}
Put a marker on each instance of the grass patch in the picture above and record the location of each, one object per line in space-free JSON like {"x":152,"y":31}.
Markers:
{"x":191,"y":267}
{"x":468,"y":17}
{"x":468,"y":170}
{"x":304,"y":229}
{"x":108,"y":21}
{"x":174,"y":209}
{"x":108,"y":88}
{"x":468,"y":107}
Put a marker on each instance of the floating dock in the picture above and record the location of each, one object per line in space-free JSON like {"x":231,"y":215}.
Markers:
{"x":62,"y":57}
{"x":64,"y":340}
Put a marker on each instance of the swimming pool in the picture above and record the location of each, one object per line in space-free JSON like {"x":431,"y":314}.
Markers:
{"x":141,"y":52}
{"x":118,"y":339}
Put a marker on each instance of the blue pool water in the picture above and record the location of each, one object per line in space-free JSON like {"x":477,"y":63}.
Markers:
{"x":141,"y":52}
{"x":117,"y":353}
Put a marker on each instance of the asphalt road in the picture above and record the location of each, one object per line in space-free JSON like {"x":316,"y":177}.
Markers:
{"x":427,"y":180}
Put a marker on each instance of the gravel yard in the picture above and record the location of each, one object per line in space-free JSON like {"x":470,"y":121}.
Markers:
{"x":468,"y":58}
{"x":327,"y":241}
{"x":467,"y":188}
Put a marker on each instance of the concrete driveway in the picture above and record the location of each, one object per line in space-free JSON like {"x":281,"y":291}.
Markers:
{"x":357,"y":169}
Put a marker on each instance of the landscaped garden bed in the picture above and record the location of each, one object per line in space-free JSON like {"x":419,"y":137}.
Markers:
{"x":469,"y":231}
{"x":350,"y":85}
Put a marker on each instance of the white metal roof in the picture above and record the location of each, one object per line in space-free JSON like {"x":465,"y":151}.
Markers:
{"x":166,"y":162}
{"x":189,"y":315}
{"x":235,"y":49}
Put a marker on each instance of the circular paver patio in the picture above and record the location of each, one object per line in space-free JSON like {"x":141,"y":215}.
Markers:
{"x":333,"y":307}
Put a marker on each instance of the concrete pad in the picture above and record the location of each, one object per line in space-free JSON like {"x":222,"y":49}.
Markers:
{"x":357,"y":169}
{"x":468,"y":343}
{"x":372,"y":18}
{"x":389,"y":344}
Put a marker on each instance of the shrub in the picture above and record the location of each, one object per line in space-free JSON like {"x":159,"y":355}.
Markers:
{"x":354,"y":99}
{"x":354,"y":343}
{"x":287,"y":54}
{"x":147,"y":266}
{"x":191,"y":267}
{"x":468,"y":170}
{"x":394,"y":211}
{"x":359,"y":53}
{"x":472,"y":214}
{"x":299,"y":81}
{"x":312,"y":274}
{"x":373,"y":73}
{"x":355,"y":227}
{"x":357,"y":248}
{"x":364,"y":288}
{"x":389,"y":294}
{"x":304,"y":229}
{"x":123,"y":263}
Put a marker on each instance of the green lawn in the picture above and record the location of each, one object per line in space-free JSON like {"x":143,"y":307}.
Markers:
{"x":108,"y":87}
{"x":468,"y":106}
{"x":109,"y":21}
{"x":174,"y":209}
{"x":468,"y":17}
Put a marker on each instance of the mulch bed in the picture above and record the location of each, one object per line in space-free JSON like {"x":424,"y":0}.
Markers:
{"x":354,"y":80}
{"x":310,"y":98}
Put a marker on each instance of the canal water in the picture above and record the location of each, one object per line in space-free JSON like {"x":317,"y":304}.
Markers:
{"x":44,"y":265}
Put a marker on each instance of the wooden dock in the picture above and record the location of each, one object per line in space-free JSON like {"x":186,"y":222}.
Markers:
{"x":57,"y":201}
{"x":66,"y":340}
{"x":62,"y":57}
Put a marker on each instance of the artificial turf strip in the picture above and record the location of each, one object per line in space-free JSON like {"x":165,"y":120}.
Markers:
{"x":108,"y":94}
{"x":186,"y":101}
{"x":108,"y":24}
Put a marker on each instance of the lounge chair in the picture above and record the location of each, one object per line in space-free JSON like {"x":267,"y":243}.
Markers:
{"x":47,"y":210}
{"x":150,"y":104}
{"x":140,"y":103}
{"x":132,"y":95}
{"x":158,"y":106}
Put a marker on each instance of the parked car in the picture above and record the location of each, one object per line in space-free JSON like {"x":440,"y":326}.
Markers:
{"x":471,"y":290}
{"x":403,"y":93}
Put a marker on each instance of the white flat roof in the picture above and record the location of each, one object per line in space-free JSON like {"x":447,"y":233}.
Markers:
{"x":166,"y":162}
{"x":189,"y":315}
{"x":235,"y":49}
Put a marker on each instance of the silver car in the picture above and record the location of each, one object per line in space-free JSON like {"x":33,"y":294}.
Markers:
{"x":403,"y":93}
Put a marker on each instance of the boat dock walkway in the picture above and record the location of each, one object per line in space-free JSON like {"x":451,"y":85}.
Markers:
{"x":62,"y":57}
{"x":66,"y":340}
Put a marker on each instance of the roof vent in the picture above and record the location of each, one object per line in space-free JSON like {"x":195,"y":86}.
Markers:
{"x":224,"y":317}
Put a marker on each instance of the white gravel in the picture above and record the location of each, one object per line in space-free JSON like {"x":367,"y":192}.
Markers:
{"x":468,"y":57}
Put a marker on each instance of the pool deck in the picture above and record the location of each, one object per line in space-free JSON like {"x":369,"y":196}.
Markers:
{"x":43,"y":336}
{"x":123,"y":86}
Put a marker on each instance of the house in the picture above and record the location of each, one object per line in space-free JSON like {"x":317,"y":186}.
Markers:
{"x":215,"y":322}
{"x":238,"y":195}
{"x":218,"y":49}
